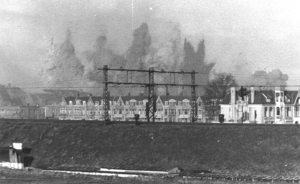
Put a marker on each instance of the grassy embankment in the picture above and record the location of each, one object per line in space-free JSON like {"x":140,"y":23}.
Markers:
{"x":271,"y":150}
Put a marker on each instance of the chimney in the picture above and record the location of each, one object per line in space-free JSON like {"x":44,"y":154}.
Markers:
{"x":252,"y":95}
{"x":232,"y":103}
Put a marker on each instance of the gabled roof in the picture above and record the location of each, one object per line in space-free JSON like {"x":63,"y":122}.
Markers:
{"x":177,"y":98}
{"x":70,"y":99}
{"x":262,"y":97}
{"x":292,"y":95}
{"x":137,"y":98}
{"x":96,"y":98}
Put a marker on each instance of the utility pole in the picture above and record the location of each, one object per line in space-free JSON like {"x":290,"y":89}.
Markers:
{"x":193,"y":100}
{"x":106,"y":95}
{"x":151,"y":97}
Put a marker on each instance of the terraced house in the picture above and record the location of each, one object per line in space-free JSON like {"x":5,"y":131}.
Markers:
{"x":124,"y":108}
{"x":278,"y":106}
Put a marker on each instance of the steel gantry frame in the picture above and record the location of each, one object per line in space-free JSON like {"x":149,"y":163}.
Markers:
{"x":151,"y":89}
{"x":106,"y":94}
{"x":193,"y":95}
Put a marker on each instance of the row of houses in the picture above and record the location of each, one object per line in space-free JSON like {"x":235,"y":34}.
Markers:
{"x":124,"y":108}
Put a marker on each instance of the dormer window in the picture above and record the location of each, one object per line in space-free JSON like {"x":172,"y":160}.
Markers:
{"x":132,"y":103}
{"x":267,"y":98}
{"x":84,"y":102}
{"x":127,"y":103}
{"x":70,"y":103}
{"x":141,"y":103}
{"x":96,"y":103}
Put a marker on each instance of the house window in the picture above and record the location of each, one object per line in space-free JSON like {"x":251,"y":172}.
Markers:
{"x":166,"y":112}
{"x":297,"y":109}
{"x":277,"y":111}
{"x":166,"y":103}
{"x":120,"y":111}
{"x":179,"y":111}
{"x":185,"y":111}
{"x":172,"y":111}
{"x":179,"y":102}
{"x":266,"y":112}
{"x":271,"y":113}
{"x":78,"y":111}
{"x":288,"y":112}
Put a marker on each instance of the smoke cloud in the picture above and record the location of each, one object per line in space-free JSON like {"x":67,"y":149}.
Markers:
{"x":62,"y":68}
{"x":270,"y":79}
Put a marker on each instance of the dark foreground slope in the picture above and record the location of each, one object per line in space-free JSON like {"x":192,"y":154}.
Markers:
{"x":237,"y":149}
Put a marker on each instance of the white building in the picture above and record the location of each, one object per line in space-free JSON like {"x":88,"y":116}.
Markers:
{"x":277,"y":106}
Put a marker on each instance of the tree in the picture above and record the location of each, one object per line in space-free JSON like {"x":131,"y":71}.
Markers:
{"x":216,"y":91}
{"x":219,"y":87}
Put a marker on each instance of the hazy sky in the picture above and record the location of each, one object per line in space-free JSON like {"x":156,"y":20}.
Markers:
{"x":241,"y":36}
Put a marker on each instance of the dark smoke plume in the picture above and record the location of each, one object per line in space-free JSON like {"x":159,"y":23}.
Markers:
{"x":196,"y":61}
{"x":139,"y":49}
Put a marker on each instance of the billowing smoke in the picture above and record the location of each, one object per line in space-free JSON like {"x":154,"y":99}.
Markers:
{"x":62,"y":68}
{"x":270,"y":79}
{"x":100,"y":56}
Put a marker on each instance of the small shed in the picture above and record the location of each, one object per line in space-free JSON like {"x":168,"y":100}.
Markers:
{"x":11,"y":156}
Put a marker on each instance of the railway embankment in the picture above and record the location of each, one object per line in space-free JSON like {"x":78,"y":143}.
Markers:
{"x":270,"y":150}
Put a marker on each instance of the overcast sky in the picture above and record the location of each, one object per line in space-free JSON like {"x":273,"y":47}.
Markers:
{"x":241,"y":36}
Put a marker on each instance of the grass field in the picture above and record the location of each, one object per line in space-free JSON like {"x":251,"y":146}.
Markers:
{"x":256,"y":150}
